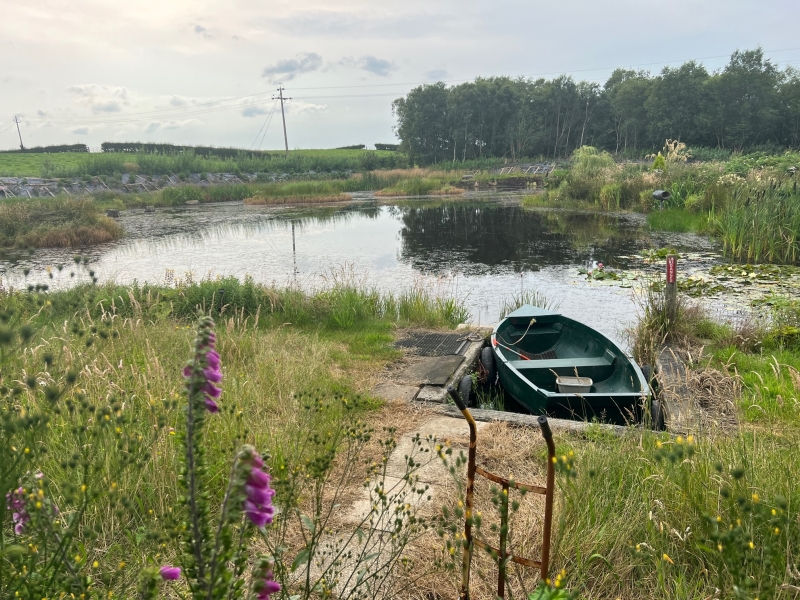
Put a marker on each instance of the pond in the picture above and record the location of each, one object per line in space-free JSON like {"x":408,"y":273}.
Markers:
{"x":479,"y":250}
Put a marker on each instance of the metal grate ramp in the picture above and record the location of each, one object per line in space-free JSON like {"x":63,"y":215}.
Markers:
{"x":432,"y":344}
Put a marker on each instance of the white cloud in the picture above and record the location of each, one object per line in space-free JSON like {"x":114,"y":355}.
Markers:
{"x":171,"y":124}
{"x":100,"y":98}
{"x":106,"y":106}
{"x":298,"y":107}
{"x":288,"y":69}
{"x":254,"y":111}
{"x":369,"y":63}
{"x":81,"y":131}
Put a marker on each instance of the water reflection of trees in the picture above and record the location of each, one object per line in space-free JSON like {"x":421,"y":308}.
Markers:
{"x":481,"y":238}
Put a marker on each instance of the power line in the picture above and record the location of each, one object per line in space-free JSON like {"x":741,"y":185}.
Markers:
{"x":263,"y":125}
{"x":269,"y":122}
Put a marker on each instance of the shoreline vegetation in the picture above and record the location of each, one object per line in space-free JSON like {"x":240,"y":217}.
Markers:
{"x":55,"y":223}
{"x":749,"y":203}
{"x":656,"y":507}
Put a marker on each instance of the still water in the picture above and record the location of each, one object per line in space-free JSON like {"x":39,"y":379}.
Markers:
{"x":480,"y":251}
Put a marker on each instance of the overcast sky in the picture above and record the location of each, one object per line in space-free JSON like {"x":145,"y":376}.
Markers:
{"x":203,"y":72}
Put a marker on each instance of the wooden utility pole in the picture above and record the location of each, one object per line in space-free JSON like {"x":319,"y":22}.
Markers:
{"x":283,"y":116}
{"x":21,"y":146}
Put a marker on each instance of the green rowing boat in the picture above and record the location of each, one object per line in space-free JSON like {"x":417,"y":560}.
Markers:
{"x":551,"y":364}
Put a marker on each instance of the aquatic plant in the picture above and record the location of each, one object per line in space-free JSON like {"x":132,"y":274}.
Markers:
{"x":761,"y":222}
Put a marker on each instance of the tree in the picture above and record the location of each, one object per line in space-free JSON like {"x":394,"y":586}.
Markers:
{"x":678,"y":104}
{"x":749,"y":101}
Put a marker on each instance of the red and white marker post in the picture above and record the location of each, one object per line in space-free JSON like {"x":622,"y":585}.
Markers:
{"x":671,"y":289}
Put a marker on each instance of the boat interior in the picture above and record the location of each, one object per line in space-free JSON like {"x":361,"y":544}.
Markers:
{"x":541,"y":347}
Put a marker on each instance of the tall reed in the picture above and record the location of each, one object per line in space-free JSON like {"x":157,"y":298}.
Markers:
{"x":761,"y":222}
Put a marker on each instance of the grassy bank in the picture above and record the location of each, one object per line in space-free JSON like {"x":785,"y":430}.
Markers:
{"x":116,"y":354}
{"x":650,"y":515}
{"x":55,"y":223}
{"x":642,"y":515}
{"x":394,"y":182}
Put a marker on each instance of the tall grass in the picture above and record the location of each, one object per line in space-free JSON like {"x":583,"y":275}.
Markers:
{"x":284,"y":354}
{"x":188,"y":162}
{"x":643,"y":517}
{"x":761,"y":222}
{"x":679,"y":220}
{"x":342,"y":306}
{"x":55,"y":222}
{"x":533,"y":297}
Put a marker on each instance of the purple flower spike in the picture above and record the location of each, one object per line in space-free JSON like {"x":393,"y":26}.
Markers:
{"x":267,"y":587}
{"x":170,"y":573}
{"x":258,"y":493}
{"x":204,"y":370}
{"x":15,"y":501}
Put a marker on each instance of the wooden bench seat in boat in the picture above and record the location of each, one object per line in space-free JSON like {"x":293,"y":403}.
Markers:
{"x":561,"y":363}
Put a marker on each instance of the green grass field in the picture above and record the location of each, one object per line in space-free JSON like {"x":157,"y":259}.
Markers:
{"x":33,"y":165}
{"x":77,"y":165}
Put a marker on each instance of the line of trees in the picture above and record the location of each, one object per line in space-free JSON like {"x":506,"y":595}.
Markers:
{"x":750,"y":104}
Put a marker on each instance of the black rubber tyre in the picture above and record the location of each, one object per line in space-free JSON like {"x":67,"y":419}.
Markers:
{"x":465,"y":390}
{"x":487,"y":360}
{"x":647,"y":371}
{"x":657,"y":415}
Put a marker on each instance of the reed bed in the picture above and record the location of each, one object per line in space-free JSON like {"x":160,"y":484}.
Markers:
{"x":55,"y":223}
{"x":761,"y":222}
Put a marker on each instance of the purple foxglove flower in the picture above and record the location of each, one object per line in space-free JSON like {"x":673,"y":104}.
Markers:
{"x":169,"y":573}
{"x":257,"y":518}
{"x":259,"y":479}
{"x":212,"y":359}
{"x":267,"y":587}
{"x":267,"y":510}
{"x":187,"y":371}
{"x":211,"y":391}
{"x":15,"y":501}
{"x":258,"y":495}
{"x":212,"y":375}
{"x":211,"y":406}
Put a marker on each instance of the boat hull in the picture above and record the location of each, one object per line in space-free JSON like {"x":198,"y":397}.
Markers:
{"x":533,"y":347}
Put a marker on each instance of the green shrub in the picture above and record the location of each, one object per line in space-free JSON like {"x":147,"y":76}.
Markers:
{"x":589,"y":161}
{"x":610,"y":196}
{"x":556,"y":178}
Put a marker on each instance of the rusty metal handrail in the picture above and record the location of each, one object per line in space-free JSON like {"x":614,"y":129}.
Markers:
{"x":547,"y":492}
